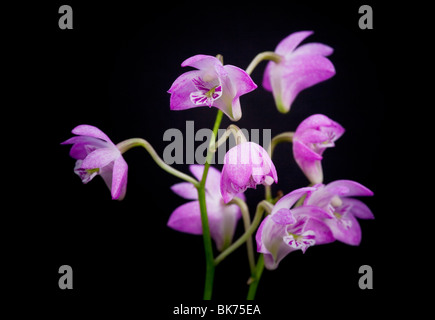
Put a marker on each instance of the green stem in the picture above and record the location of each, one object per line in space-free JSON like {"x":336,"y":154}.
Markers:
{"x":256,"y":278}
{"x":267,"y":55}
{"x":246,"y":222}
{"x":263,"y":205}
{"x":208,"y":248}
{"x":139,"y":142}
{"x":209,"y":260}
{"x":282,"y":137}
{"x":239,"y":137}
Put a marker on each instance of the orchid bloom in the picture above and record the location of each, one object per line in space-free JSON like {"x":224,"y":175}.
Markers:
{"x":246,"y":165}
{"x":222,"y":218}
{"x":298,"y":68}
{"x":96,"y":155}
{"x":343,"y":211}
{"x":286,"y":230}
{"x":312,"y":137}
{"x":212,"y":85}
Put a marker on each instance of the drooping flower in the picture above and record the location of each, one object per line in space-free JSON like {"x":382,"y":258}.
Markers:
{"x":343,"y":211}
{"x":212,"y":85}
{"x":222,"y":218}
{"x":286,"y":230}
{"x":298,"y":69}
{"x":312,"y":137}
{"x":246,"y":165}
{"x":96,"y":155}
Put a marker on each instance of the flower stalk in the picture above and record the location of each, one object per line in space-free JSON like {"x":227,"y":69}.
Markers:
{"x":208,"y":249}
{"x":247,"y":223}
{"x":267,"y":55}
{"x":139,"y":142}
{"x":261,"y":207}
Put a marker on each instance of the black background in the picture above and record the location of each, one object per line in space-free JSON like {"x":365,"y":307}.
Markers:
{"x":113,"y":71}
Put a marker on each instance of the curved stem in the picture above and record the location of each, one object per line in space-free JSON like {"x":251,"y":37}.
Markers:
{"x":267,"y":55}
{"x":263,"y":205}
{"x":247,"y":222}
{"x":139,"y":142}
{"x":232,"y":129}
{"x":282,"y":137}
{"x":256,"y":278}
{"x":209,"y":265}
{"x":208,"y":248}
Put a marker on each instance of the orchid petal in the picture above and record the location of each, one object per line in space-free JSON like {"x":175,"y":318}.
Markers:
{"x":201,"y":61}
{"x":346,"y":229}
{"x":99,"y":158}
{"x":283,"y":216}
{"x":119,"y":179}
{"x":91,"y":131}
{"x":302,"y":72}
{"x":240,"y":79}
{"x":186,"y":218}
{"x":309,"y":161}
{"x":314,"y":48}
{"x":185,"y":190}
{"x":222,"y":221}
{"x":358,"y":208}
{"x":288,"y":44}
{"x":181,"y":89}
{"x":312,"y":212}
{"x":287,"y":201}
{"x":348,"y":188}
{"x":83,"y":145}
{"x":323,"y":234}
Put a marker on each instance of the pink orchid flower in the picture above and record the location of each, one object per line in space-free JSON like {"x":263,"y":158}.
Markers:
{"x":286,"y":230}
{"x":312,"y":137}
{"x":222,"y":218}
{"x":246,"y":165}
{"x":212,"y":85}
{"x":96,"y":155}
{"x":298,"y":69}
{"x":343,"y":211}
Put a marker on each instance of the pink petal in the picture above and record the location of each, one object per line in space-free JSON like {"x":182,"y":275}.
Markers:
{"x":283,"y":216}
{"x":259,"y":236}
{"x":314,"y":48}
{"x":287,"y":201}
{"x":185,"y":190}
{"x":317,"y":122}
{"x":91,"y":131}
{"x":288,"y":44}
{"x":99,"y":158}
{"x":186,"y":218}
{"x":308,"y":161}
{"x":347,"y":188}
{"x":181,"y":89}
{"x":212,"y":184}
{"x":323,"y":233}
{"x":346,"y":229}
{"x":201,"y":61}
{"x":83,"y":145}
{"x":300,"y":73}
{"x":267,"y":84}
{"x":311,"y":212}
{"x":358,"y":208}
{"x":119,"y":179}
{"x":222,"y":220}
{"x":241,"y":81}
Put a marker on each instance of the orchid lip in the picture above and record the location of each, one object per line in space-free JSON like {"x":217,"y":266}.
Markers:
{"x":207,"y":93}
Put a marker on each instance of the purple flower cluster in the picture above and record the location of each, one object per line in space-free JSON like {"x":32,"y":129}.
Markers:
{"x":303,"y":218}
